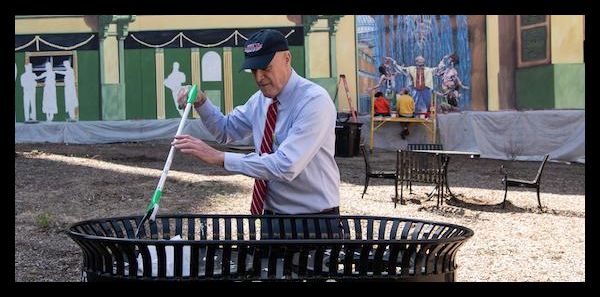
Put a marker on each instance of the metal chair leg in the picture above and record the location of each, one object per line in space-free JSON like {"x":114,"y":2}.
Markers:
{"x":396,"y":190}
{"x":505,"y":192}
{"x":366,"y":185}
{"x":538,"y":195}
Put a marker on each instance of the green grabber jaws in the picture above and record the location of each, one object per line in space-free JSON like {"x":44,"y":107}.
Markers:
{"x":152,"y":208}
{"x":192,"y":95}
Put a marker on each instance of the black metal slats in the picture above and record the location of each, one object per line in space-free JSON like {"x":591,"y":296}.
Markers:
{"x":318,"y":260}
{"x":256,"y":262}
{"x":303,"y":260}
{"x":361,"y":256}
{"x":323,"y":228}
{"x":178,"y":259}
{"x":129,"y":251}
{"x":432,"y":259}
{"x":191,"y":232}
{"x":438,"y":231}
{"x":408,"y":251}
{"x":227,"y":228}
{"x":146,"y":259}
{"x":272,"y":259}
{"x":142,"y":228}
{"x":209,"y":268}
{"x":153,"y":230}
{"x":97,"y":229}
{"x":417,"y":230}
{"x":345,"y":228}
{"x":239,"y":223}
{"x":288,"y":258}
{"x":116,"y":226}
{"x":252,"y":227}
{"x":166,"y":229}
{"x":313,"y":228}
{"x":393,"y":258}
{"x":241,"y":259}
{"x":178,"y":227}
{"x":348,"y":259}
{"x":302,"y":227}
{"x":119,"y":261}
{"x":421,"y":258}
{"x":128,"y":228}
{"x":332,"y":228}
{"x":394,"y":229}
{"x":203,"y":229}
{"x":448,"y":259}
{"x":288,"y":228}
{"x":216,"y":229}
{"x":407,"y":226}
{"x":105,"y":228}
{"x":106,"y":256}
{"x":194,"y":258}
{"x":226,"y":257}
{"x":357,"y":229}
{"x":266,"y":230}
{"x":363,"y":266}
{"x":162,"y":259}
{"x":382,"y":227}
{"x":334,"y":259}
{"x":94,"y":259}
{"x":274,"y":228}
{"x":378,"y":266}
{"x":294,"y":228}
{"x":88,"y":255}
{"x":318,"y":232}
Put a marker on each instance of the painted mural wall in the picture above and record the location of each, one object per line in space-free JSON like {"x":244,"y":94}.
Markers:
{"x":88,"y":78}
{"x":505,"y":61}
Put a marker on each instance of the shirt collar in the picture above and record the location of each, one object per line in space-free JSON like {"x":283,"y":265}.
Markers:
{"x":285,"y":95}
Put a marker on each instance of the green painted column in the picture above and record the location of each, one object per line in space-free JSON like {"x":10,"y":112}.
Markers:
{"x":306,"y":55}
{"x":332,"y":23}
{"x":112,"y":88}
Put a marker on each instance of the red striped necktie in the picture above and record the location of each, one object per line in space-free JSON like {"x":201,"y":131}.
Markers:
{"x":266,"y":147}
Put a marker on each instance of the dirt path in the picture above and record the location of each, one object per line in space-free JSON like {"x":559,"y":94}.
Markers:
{"x":57,"y":185}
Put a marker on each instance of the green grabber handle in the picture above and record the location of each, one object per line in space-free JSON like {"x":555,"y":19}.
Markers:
{"x":153,"y":205}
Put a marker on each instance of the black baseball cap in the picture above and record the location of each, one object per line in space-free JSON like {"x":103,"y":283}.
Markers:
{"x":261,"y":47}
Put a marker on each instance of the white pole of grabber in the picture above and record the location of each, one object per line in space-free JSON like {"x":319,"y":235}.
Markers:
{"x":163,"y":177}
{"x":153,"y":206}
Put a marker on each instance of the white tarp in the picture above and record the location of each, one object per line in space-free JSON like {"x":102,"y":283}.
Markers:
{"x":91,"y":132}
{"x":519,"y":135}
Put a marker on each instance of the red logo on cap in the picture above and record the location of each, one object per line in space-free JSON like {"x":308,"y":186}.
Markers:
{"x":253,"y":47}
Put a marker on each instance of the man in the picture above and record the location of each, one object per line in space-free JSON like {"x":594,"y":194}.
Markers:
{"x":174,"y":82}
{"x":381,"y":105}
{"x":422,"y":81}
{"x":451,"y":83}
{"x":28,"y":82}
{"x":294,"y":163}
{"x":406,"y":109}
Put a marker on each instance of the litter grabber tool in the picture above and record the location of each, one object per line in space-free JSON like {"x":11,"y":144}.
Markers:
{"x":152,"y":208}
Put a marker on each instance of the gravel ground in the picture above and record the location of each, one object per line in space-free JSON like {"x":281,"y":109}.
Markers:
{"x":57,"y":185}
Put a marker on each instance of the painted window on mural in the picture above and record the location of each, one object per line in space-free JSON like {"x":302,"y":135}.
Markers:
{"x":533,"y":40}
{"x":57,"y":60}
{"x":211,"y":67}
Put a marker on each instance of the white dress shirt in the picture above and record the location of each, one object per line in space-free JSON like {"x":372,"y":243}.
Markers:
{"x":302,"y":174}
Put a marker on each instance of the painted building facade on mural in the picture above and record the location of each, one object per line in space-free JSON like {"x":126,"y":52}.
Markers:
{"x":129,"y":67}
{"x":507,"y":61}
{"x":118,"y":67}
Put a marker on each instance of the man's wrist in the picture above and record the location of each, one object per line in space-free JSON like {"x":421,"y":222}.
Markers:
{"x":200,"y":101}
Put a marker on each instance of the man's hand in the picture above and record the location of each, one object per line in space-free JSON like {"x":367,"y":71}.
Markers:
{"x":182,"y":97}
{"x":199,"y":149}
